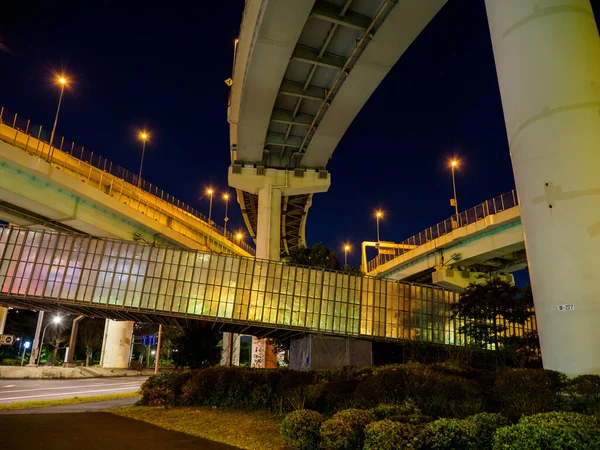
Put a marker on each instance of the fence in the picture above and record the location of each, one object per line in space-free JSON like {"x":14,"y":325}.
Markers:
{"x":475,"y":214}
{"x":34,"y":139}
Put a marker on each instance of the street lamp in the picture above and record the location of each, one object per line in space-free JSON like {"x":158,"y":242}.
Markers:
{"x":55,"y":320}
{"x":144,"y":136}
{"x":454,"y":201}
{"x":210,"y":192}
{"x":239,"y":236}
{"x":226,"y":198}
{"x":346,"y":250}
{"x":378,"y":215}
{"x":62,"y":82}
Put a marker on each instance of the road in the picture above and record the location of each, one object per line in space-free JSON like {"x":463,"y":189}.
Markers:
{"x":26,"y":390}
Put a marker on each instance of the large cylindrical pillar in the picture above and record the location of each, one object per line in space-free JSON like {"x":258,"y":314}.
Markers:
{"x":547,"y":56}
{"x":3,"y":316}
{"x":117,"y":344}
{"x":268,"y":228}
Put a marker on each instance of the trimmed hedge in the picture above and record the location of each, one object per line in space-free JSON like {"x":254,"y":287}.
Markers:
{"x":584,"y":393}
{"x":159,"y":390}
{"x":449,"y":434}
{"x":345,"y":430}
{"x":301,"y":429}
{"x":550,"y":431}
{"x":389,"y":435}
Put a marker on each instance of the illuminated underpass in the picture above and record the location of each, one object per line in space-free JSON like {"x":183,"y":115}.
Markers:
{"x":79,"y":274}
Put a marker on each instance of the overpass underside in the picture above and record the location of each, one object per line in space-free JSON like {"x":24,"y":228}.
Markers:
{"x":131,"y":281}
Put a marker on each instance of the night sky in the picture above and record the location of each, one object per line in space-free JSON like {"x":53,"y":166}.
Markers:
{"x":162,"y":65}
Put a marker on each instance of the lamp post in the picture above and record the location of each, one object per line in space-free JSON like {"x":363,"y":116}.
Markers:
{"x":346,"y":250}
{"x":378,"y":215}
{"x":55,"y":320}
{"x":454,"y":165}
{"x":210,"y":192}
{"x":144,"y":136}
{"x":226,"y":198}
{"x":238,"y":237}
{"x":62,"y":81}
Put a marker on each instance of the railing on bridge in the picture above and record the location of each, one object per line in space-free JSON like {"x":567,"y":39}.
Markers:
{"x":472,"y":215}
{"x":92,"y":166}
{"x":78,"y":270}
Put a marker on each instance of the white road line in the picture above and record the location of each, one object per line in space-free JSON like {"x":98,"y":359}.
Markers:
{"x":9,"y":385}
{"x":132,"y":383}
{"x":62,"y":393}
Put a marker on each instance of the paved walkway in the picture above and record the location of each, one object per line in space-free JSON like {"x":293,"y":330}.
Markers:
{"x":78,"y":408}
{"x":93,"y":431}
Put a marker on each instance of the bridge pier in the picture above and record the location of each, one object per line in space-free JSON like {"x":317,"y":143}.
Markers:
{"x":3,"y":316}
{"x":116,"y":346}
{"x":548,"y":62}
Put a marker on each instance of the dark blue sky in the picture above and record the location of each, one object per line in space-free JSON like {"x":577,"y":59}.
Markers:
{"x":163,"y":64}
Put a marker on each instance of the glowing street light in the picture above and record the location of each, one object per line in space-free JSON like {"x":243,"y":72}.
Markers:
{"x":346,"y":250}
{"x":238,"y":237}
{"x":226,"y":198}
{"x":62,"y":81}
{"x":55,"y":320}
{"x":378,"y":215}
{"x":210,"y":192}
{"x":144,"y":136}
{"x":454,"y":201}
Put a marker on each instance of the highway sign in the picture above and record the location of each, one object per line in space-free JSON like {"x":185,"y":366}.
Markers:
{"x":149,"y":339}
{"x":6,"y":339}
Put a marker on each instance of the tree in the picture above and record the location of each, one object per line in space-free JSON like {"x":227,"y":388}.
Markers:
{"x":91,"y":335}
{"x":170,"y":336}
{"x":488,"y":307}
{"x":57,"y":338}
{"x":197,"y":347}
{"x":316,"y":256}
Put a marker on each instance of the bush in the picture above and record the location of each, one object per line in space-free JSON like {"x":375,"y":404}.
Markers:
{"x":158,"y":390}
{"x":300,"y":429}
{"x":406,"y":412}
{"x":486,"y":425}
{"x":550,"y":431}
{"x":389,"y":435}
{"x":345,"y":430}
{"x":519,"y":392}
{"x":449,"y":434}
{"x":584,"y":393}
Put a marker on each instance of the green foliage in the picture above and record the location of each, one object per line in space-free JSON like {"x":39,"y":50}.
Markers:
{"x":300,"y":429}
{"x":197,"y":347}
{"x":449,"y":434}
{"x":389,"y":435}
{"x":550,"y":431}
{"x":406,"y":412}
{"x":520,"y":392}
{"x":317,"y":256}
{"x":486,"y":425}
{"x":584,"y":393}
{"x":158,"y":390}
{"x":345,"y":430}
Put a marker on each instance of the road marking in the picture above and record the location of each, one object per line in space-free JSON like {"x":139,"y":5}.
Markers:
{"x":61,"y":393}
{"x":9,"y":385}
{"x":132,"y":383}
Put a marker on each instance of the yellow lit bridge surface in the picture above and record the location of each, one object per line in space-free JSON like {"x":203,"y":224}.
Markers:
{"x":127,"y":280}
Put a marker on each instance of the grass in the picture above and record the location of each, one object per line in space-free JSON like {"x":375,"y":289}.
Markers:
{"x":65,"y":401}
{"x":251,"y":430}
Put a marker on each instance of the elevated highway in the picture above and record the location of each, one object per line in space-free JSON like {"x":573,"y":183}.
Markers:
{"x":302,"y":72}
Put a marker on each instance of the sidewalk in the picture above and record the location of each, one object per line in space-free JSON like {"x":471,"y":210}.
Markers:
{"x":16,"y":372}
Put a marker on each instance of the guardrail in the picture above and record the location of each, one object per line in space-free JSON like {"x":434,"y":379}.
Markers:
{"x":472,"y":215}
{"x":33,"y":139}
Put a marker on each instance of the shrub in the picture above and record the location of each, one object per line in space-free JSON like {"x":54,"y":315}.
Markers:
{"x":519,"y":392}
{"x":158,"y":389}
{"x":584,"y":393}
{"x":386,"y":385}
{"x":300,"y":429}
{"x":486,"y":425}
{"x":550,"y":431}
{"x":449,"y":434}
{"x":345,"y":430}
{"x":389,"y":435}
{"x":406,"y":412}
{"x":293,"y":388}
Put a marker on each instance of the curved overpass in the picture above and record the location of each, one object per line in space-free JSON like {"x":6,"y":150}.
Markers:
{"x":302,"y":72}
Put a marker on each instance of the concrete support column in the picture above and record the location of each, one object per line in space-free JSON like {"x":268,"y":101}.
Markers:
{"x":35,"y":347}
{"x":547,"y":56}
{"x":231,"y":349}
{"x":117,"y":344}
{"x":73,"y":341}
{"x":268,"y":229}
{"x":3,"y":316}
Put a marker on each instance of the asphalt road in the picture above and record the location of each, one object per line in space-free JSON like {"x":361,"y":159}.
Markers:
{"x":25,"y":390}
{"x":93,"y":431}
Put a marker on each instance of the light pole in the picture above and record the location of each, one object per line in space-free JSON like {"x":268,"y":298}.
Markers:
{"x":25,"y":348}
{"x":378,"y":215}
{"x":210,"y":192}
{"x":62,"y":81}
{"x":55,"y":320}
{"x":346,"y":250}
{"x":454,"y":165}
{"x":226,"y":198}
{"x":238,"y":237}
{"x":144,"y":136}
